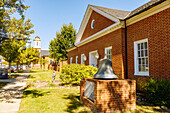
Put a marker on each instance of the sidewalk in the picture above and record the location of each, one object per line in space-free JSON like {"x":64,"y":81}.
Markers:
{"x":10,"y":95}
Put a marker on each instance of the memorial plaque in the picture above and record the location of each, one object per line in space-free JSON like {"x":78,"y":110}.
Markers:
{"x":89,"y":90}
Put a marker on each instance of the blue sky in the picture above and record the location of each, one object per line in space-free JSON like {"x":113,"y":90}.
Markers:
{"x":48,"y":16}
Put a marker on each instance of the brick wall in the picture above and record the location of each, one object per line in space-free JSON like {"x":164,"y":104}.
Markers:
{"x":157,"y":29}
{"x":101,"y":22}
{"x":110,"y":95}
{"x":113,"y":39}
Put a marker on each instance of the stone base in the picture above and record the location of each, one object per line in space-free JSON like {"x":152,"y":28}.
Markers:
{"x":110,"y":95}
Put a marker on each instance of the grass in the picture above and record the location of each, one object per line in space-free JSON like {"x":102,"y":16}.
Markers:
{"x":38,"y":100}
{"x":42,"y":76}
{"x":51,"y":101}
{"x":2,"y":84}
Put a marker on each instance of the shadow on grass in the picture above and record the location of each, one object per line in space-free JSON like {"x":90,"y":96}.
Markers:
{"x":147,"y":106}
{"x":74,"y":103}
{"x":33,"y":93}
{"x":13,"y":75}
{"x":2,"y":84}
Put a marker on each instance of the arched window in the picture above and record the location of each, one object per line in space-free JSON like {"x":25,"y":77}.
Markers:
{"x":92,"y":24}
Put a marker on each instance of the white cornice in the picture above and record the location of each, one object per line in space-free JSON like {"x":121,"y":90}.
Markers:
{"x":70,"y":49}
{"x":86,"y":19}
{"x":150,"y":12}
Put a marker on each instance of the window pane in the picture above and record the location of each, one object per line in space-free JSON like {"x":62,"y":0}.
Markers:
{"x":143,"y":68}
{"x":142,"y":53}
{"x":146,"y":60}
{"x":140,"y":68}
{"x":143,"y":61}
{"x":146,"y":46}
{"x":146,"y":52}
{"x":141,"y":45}
{"x":139,"y":60}
{"x":147,"y":68}
{"x":138,"y":53}
{"x":138,"y":46}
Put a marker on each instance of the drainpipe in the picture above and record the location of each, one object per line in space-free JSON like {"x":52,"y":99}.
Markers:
{"x":126,"y":62}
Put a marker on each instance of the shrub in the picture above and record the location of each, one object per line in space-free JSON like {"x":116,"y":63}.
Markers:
{"x":158,"y":92}
{"x":73,"y":73}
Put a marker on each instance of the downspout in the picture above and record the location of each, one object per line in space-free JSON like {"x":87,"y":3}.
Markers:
{"x":126,"y":62}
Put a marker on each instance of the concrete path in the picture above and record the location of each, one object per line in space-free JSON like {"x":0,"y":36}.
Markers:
{"x":10,"y":95}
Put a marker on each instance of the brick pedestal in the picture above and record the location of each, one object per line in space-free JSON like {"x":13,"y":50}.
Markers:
{"x":110,"y":95}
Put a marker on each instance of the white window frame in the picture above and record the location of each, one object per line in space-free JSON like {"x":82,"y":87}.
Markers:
{"x":90,"y":62}
{"x":136,"y":56}
{"x":82,"y":58}
{"x":107,"y":48}
{"x":76,"y":59}
{"x":93,"y":21}
{"x":71,"y":60}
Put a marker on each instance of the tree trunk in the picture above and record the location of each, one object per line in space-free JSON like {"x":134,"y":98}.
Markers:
{"x":17,"y":66}
{"x":9,"y":67}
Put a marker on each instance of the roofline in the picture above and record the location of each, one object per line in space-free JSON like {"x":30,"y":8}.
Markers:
{"x":145,"y":9}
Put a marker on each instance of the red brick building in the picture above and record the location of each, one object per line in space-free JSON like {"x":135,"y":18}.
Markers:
{"x":137,"y":42}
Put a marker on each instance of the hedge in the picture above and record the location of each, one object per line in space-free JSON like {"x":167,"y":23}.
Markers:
{"x":158,"y":92}
{"x":72,"y":73}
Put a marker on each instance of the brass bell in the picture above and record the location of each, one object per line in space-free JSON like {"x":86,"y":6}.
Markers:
{"x":105,"y":70}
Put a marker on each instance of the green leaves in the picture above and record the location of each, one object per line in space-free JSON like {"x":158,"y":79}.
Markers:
{"x":7,"y":8}
{"x":73,"y":73}
{"x":64,"y":40}
{"x":11,"y":50}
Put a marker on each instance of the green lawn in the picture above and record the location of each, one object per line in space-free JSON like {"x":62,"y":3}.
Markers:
{"x":51,"y":101}
{"x":43,"y":76}
{"x":38,"y":100}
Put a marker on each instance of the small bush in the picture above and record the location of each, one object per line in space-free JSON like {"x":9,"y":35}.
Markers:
{"x":158,"y":92}
{"x":73,"y":73}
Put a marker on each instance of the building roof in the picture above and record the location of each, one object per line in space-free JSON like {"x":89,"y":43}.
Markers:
{"x":146,"y":6}
{"x":120,"y":14}
{"x":44,"y":52}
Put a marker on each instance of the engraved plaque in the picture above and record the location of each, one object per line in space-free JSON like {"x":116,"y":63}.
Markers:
{"x":89,"y":90}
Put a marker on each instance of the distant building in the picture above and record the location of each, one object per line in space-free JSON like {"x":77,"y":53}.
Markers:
{"x":44,"y":55}
{"x":37,"y":43}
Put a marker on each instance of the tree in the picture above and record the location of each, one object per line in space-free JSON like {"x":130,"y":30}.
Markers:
{"x":31,"y":55}
{"x":7,"y":8}
{"x":64,"y":40}
{"x":11,"y":50}
{"x":18,"y":31}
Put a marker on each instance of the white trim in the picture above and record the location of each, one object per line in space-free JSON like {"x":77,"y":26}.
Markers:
{"x":76,"y":60}
{"x":90,"y":56}
{"x":135,"y":57}
{"x":93,"y":21}
{"x":148,"y":13}
{"x":82,"y":59}
{"x":105,"y":14}
{"x":110,"y":47}
{"x":70,"y":49}
{"x":86,"y":19}
{"x":71,"y":60}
